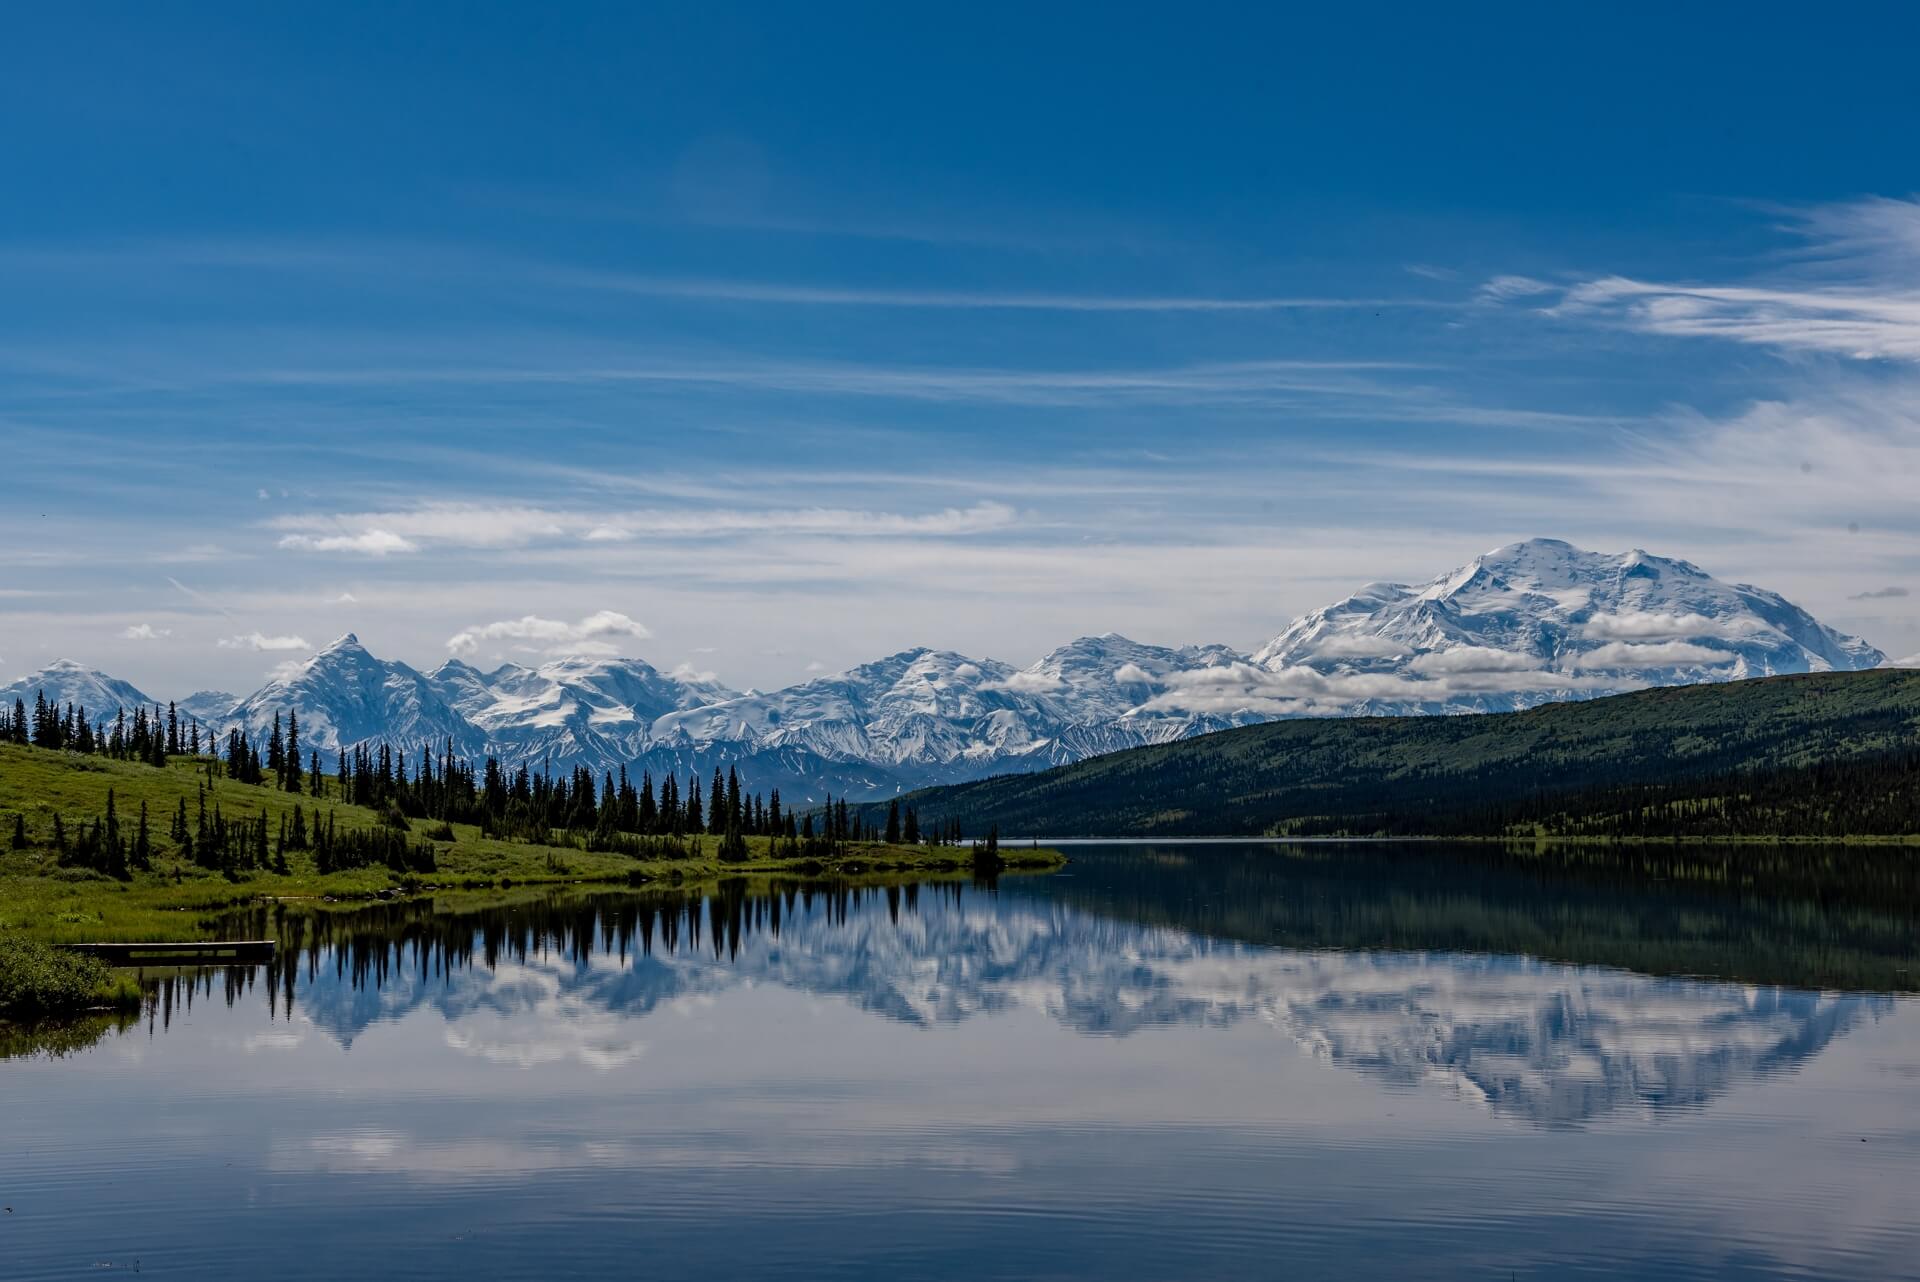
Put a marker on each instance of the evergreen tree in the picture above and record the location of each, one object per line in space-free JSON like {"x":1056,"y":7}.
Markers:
{"x":291,"y":780}
{"x":892,"y":836}
{"x":649,"y":815}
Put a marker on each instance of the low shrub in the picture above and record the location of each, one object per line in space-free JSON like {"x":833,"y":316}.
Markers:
{"x":38,"y":979}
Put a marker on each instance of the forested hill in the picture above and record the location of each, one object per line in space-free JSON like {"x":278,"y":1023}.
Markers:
{"x":1827,"y":754}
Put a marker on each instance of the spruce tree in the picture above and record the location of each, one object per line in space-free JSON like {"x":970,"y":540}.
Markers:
{"x":291,"y":781}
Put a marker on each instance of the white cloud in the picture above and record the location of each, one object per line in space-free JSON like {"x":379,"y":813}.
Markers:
{"x":1026,"y":683}
{"x":1244,"y":688}
{"x":1855,"y":292}
{"x":1880,"y":594}
{"x":965,"y":672}
{"x":1469,"y":659}
{"x":1655,"y":654}
{"x":1842,"y":322}
{"x":1132,"y":674}
{"x":1650,"y":625}
{"x":817,"y":666}
{"x":1911,"y":661}
{"x":145,"y":632}
{"x":261,"y":641}
{"x":471,"y":525}
{"x":366,"y":543}
{"x":1346,"y":646}
{"x":839,"y":296}
{"x":698,"y":676}
{"x":345,"y":598}
{"x":585,"y":636}
{"x":1502,"y":288}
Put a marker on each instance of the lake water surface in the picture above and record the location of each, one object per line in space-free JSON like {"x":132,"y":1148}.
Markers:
{"x":1165,"y":1061}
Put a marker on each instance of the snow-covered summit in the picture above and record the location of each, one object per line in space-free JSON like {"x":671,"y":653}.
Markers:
{"x":64,"y":681}
{"x":1542,"y":620}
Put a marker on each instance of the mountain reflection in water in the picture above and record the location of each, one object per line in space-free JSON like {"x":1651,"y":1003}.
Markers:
{"x":581,"y":977}
{"x":1163,"y":1061}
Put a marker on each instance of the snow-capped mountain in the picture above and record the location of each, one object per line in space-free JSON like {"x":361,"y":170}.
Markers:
{"x":209,"y":706}
{"x":1524,"y":624}
{"x":590,"y":710}
{"x":1536,"y":622}
{"x":64,"y":681}
{"x":343,"y":696}
{"x":951,"y":717}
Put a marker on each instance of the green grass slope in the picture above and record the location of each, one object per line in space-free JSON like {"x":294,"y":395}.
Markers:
{"x":1818,"y":755}
{"x":176,"y":899}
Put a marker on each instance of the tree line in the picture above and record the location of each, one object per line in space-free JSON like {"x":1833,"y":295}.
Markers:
{"x":610,"y":811}
{"x":151,"y":738}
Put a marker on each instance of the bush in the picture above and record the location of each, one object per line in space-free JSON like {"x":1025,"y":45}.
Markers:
{"x":442,"y":831}
{"x":37,"y":979}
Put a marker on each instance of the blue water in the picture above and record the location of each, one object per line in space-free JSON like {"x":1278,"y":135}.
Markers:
{"x":1160,"y":1063}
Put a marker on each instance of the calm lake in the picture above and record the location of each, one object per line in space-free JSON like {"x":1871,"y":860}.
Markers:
{"x":1165,"y":1061}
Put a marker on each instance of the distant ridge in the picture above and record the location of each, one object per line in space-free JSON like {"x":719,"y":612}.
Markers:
{"x":1813,"y":754}
{"x":1525,"y":624}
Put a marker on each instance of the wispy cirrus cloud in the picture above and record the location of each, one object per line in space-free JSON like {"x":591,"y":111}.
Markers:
{"x":1860,"y":323}
{"x":974,"y":300}
{"x":1853,"y":291}
{"x":482,"y":525}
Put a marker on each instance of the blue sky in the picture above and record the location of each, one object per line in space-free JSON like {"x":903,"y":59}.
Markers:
{"x":768,"y":339}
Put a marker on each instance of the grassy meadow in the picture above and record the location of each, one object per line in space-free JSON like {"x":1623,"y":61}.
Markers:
{"x":178,"y":900}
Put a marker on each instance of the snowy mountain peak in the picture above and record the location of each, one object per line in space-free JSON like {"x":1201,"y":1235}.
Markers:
{"x":64,"y":681}
{"x":1536,"y":621}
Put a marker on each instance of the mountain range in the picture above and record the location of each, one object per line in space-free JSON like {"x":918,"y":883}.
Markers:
{"x":1528,"y":623}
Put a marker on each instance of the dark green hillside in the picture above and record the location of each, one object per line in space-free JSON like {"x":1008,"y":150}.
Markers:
{"x":1819,"y":755}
